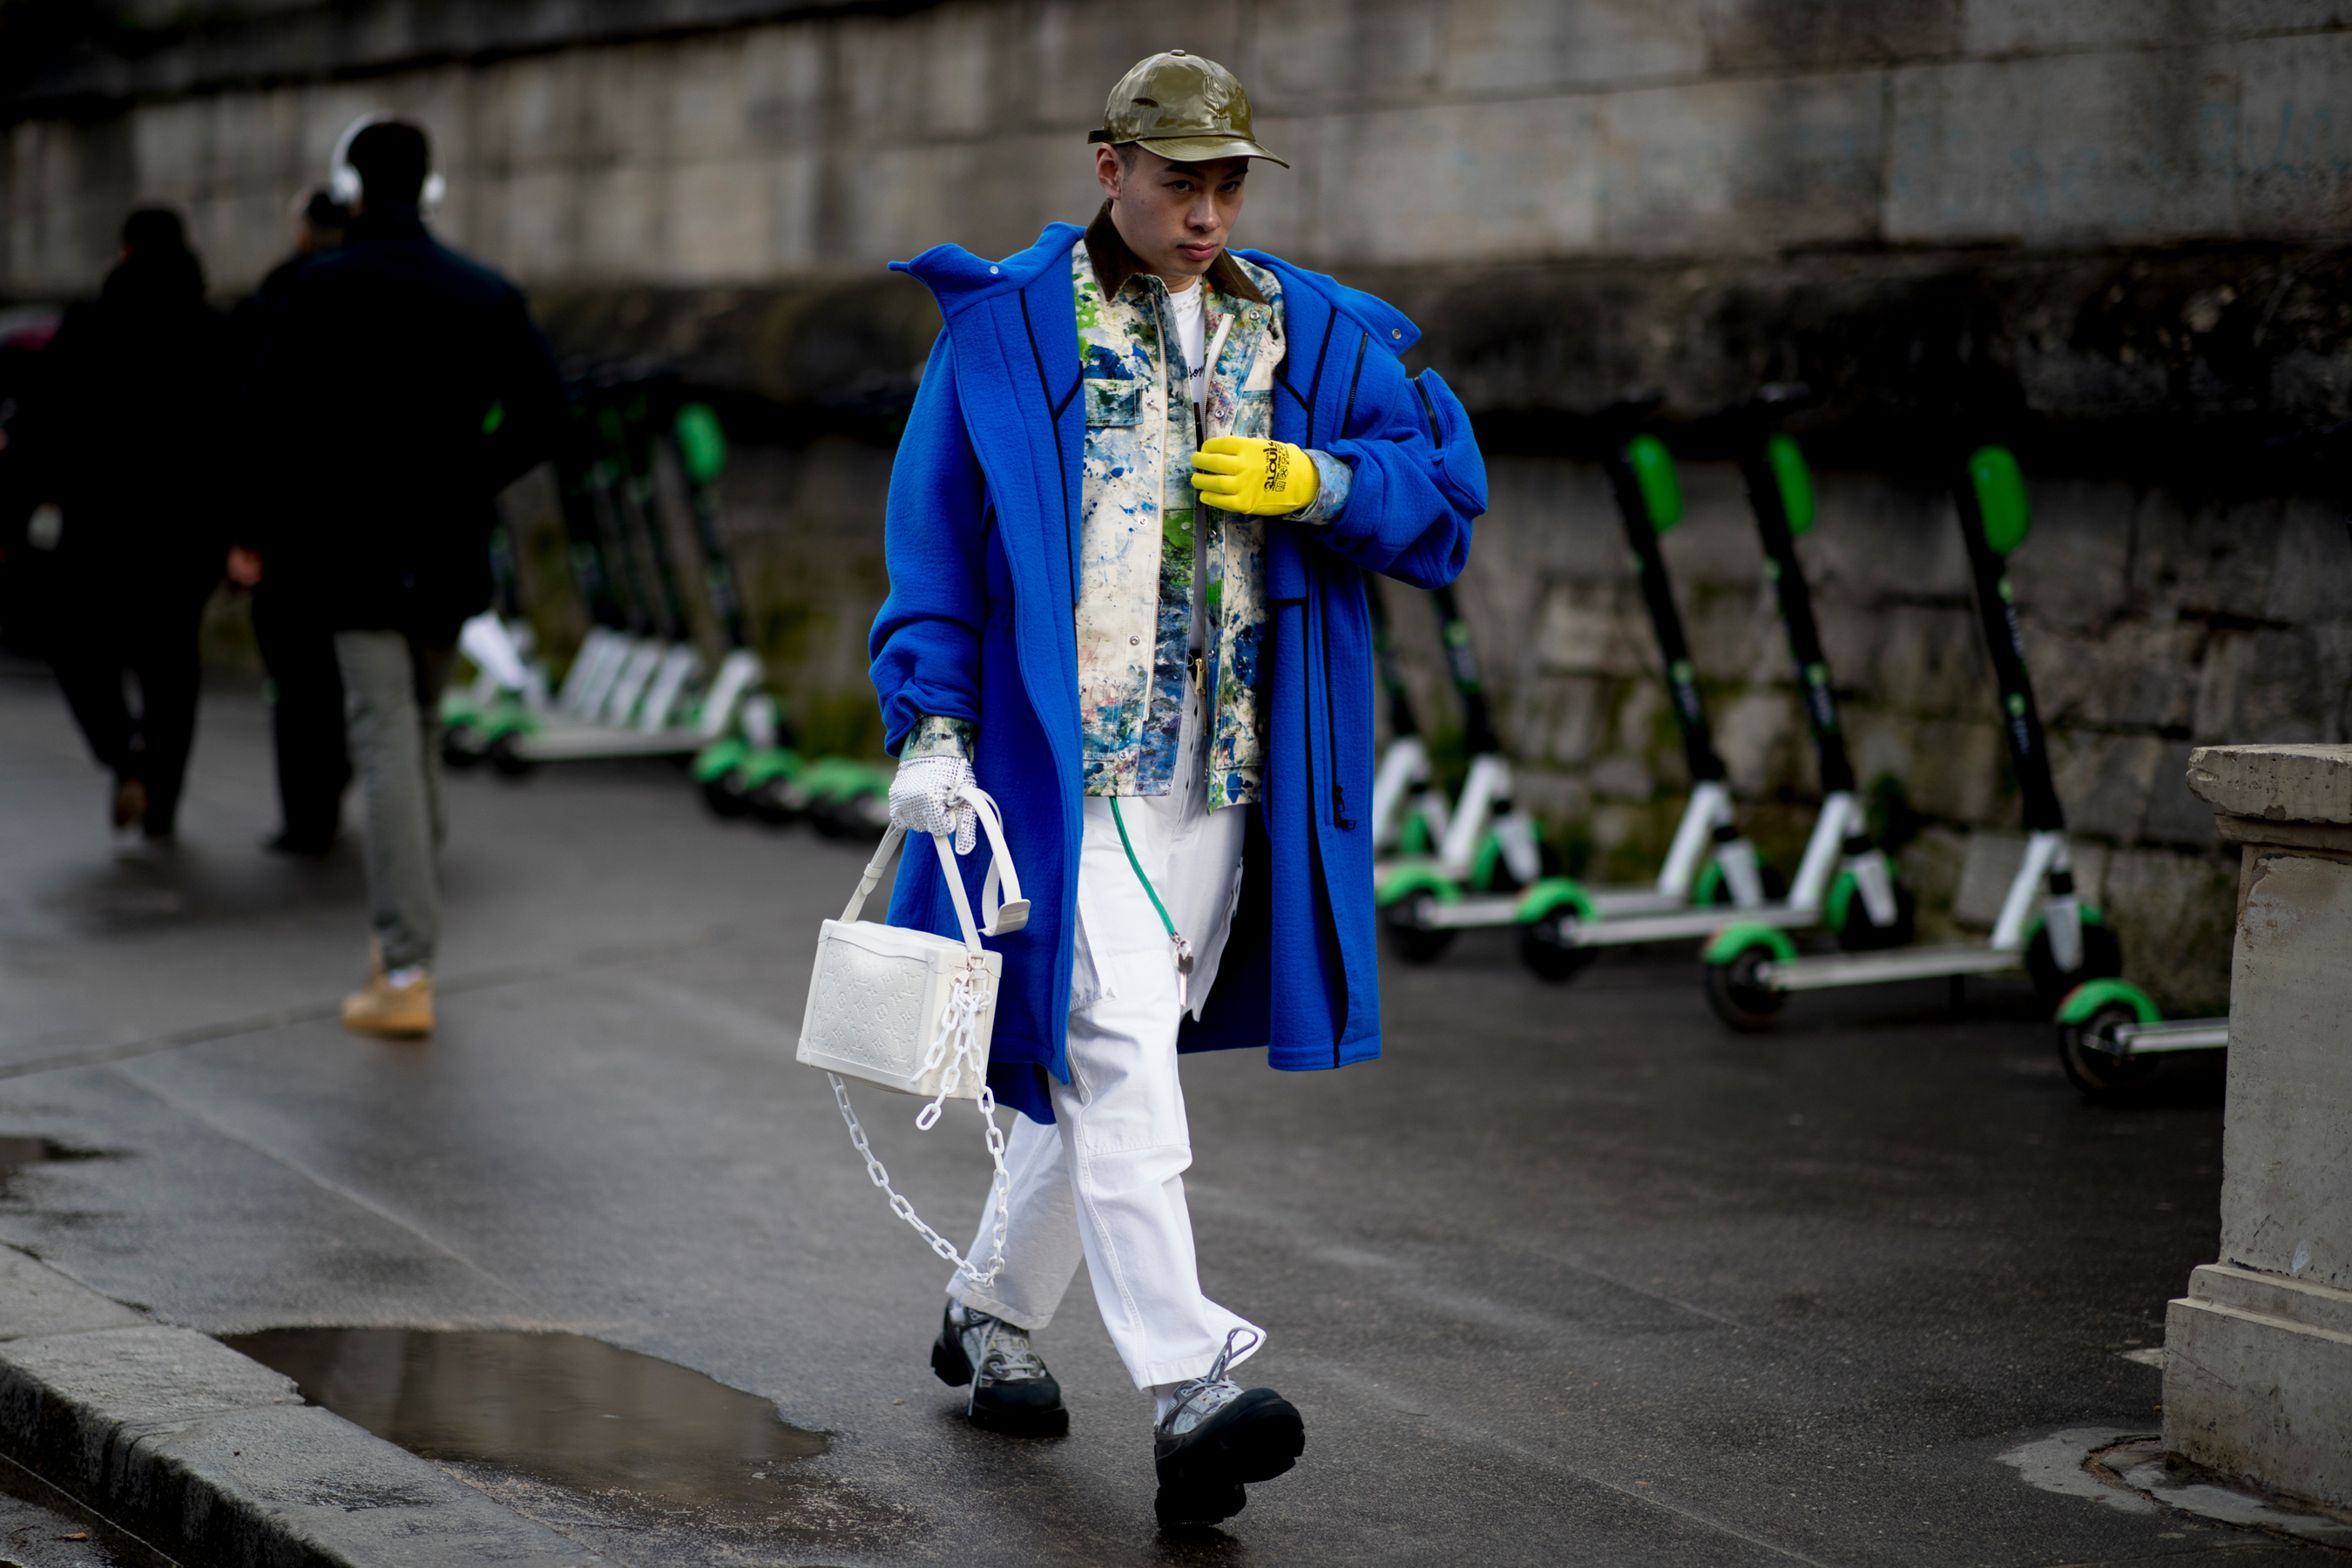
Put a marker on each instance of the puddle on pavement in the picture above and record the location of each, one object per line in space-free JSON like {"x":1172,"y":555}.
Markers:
{"x":561,"y":1408}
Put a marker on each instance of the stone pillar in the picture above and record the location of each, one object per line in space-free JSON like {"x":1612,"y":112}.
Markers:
{"x":2258,"y":1356}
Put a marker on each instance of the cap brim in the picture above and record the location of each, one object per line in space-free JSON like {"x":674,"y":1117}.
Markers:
{"x":1207,"y":149}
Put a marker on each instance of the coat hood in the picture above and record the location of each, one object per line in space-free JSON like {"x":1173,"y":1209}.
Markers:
{"x":958,"y":277}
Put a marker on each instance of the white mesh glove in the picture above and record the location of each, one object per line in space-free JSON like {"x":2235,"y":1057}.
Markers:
{"x":923,"y":798}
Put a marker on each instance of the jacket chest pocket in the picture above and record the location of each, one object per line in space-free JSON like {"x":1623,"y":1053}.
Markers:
{"x":1113,"y":401}
{"x":1113,"y":396}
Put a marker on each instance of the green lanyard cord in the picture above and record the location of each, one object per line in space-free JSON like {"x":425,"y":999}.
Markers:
{"x":1148,"y":892}
{"x":1184,"y":954}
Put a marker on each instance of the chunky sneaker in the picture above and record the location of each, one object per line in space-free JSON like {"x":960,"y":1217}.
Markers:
{"x":1215,"y":1438}
{"x":399,"y":1005}
{"x":1012,"y":1392}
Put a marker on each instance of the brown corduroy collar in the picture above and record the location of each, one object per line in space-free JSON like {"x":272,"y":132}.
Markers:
{"x":1115,"y":263}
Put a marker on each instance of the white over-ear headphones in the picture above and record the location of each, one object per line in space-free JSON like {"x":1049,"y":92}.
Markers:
{"x":343,"y":181}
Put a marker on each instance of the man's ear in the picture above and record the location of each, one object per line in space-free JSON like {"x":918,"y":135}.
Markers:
{"x":1108,"y":171}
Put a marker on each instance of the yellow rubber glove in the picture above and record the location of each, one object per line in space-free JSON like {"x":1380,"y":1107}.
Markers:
{"x":1242,"y":473}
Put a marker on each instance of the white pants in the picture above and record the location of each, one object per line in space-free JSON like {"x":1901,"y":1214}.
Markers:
{"x":1106,"y":1180}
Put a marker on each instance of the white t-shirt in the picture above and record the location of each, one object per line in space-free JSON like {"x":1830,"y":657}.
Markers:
{"x":1193,"y":334}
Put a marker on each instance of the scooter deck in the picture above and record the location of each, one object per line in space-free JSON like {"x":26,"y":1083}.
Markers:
{"x":2179,"y":1034}
{"x":1828,"y":970}
{"x":1685,"y":925}
{"x":1616,"y":903}
{"x":563,"y":741}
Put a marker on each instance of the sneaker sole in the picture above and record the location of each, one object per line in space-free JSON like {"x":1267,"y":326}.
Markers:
{"x":1177,"y":1507}
{"x":1255,"y":1439}
{"x":389,"y":1031}
{"x":1053,"y":1422}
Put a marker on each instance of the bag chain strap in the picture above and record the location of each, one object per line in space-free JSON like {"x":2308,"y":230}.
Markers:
{"x":957,"y":1044}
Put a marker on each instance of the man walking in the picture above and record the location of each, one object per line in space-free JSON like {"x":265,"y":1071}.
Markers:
{"x":297,"y":644}
{"x":406,"y":382}
{"x":1172,"y":702}
{"x":121,"y":430}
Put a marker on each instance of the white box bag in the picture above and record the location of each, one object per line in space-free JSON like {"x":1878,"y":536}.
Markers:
{"x":913,"y":1013}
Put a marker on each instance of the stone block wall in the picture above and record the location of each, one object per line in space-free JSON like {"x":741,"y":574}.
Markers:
{"x":695,"y":143}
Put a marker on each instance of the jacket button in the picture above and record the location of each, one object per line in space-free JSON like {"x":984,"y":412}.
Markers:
{"x":1132,"y":642}
{"x":992,"y":272}
{"x":1394,"y":331}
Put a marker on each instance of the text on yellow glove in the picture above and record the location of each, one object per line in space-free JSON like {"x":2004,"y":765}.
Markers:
{"x":1267,"y":479}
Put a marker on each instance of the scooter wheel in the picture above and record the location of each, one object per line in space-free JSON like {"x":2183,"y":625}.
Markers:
{"x":1546,"y":949}
{"x":509,"y":760}
{"x":867,"y":816}
{"x":778,"y":802}
{"x":1737,"y":997}
{"x":724,"y":797}
{"x":1414,"y":941}
{"x":1499,"y":879}
{"x":1858,"y":935}
{"x":1713,"y":891}
{"x":2102,"y":959}
{"x":461,"y":747}
{"x":2085,"y":1051}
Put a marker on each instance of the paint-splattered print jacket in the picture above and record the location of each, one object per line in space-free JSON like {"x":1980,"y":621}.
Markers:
{"x":1143,"y":536}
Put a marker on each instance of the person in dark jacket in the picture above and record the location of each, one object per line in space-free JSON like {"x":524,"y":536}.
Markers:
{"x":407,"y":382}
{"x":122,"y":434}
{"x":297,"y":644}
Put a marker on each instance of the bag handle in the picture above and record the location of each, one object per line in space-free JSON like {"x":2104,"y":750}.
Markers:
{"x":1002,"y":915}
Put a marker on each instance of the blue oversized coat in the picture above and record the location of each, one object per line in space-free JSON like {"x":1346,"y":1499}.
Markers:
{"x":981,"y":546}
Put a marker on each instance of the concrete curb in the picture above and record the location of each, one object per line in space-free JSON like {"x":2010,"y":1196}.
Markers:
{"x":212,"y":1457}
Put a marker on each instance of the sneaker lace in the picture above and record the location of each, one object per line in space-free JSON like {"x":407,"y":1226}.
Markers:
{"x":1007,"y":1354}
{"x":1214,"y":1378}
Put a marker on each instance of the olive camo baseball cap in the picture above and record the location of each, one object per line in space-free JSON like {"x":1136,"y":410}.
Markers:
{"x":1186,"y":109}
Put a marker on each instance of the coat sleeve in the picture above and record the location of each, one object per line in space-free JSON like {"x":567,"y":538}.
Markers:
{"x":926,"y":641}
{"x":1400,"y":519}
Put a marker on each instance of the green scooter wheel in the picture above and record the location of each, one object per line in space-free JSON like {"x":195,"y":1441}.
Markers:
{"x":1714,"y":892}
{"x":507,"y":757}
{"x":1737,"y":997}
{"x":1546,"y":948}
{"x":724,"y":795}
{"x":462,"y":747}
{"x":2102,"y":959}
{"x":1414,"y":941}
{"x":1856,"y":933}
{"x":2086,"y":1050}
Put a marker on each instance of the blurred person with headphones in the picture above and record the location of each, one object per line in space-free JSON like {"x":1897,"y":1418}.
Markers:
{"x":402,"y":388}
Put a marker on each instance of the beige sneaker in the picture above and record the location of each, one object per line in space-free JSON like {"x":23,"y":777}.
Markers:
{"x":130,"y":803}
{"x":381,"y":1007}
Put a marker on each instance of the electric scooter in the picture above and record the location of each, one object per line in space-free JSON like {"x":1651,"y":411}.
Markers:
{"x":1865,"y":906}
{"x":1409,"y":811}
{"x":724,"y":769}
{"x":1709,"y":860}
{"x":1488,"y":844}
{"x":1751,"y":968}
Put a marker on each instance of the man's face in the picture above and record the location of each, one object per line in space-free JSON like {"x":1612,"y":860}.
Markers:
{"x":1176,"y":218}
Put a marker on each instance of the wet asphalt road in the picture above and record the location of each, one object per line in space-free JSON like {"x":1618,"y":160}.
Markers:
{"x":1572,"y":1275}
